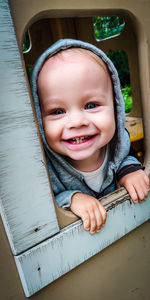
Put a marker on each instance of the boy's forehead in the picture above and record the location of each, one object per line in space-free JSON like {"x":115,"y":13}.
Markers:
{"x":77,"y":57}
{"x":55,"y":66}
{"x":72,"y":56}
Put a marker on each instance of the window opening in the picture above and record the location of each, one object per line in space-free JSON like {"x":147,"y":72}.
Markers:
{"x":107,"y":27}
{"x":26,"y":47}
{"x":27,"y":43}
{"x":104,"y":27}
{"x":120,"y":60}
{"x":113,"y":26}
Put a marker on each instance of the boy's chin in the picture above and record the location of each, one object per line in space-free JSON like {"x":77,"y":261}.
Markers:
{"x":76,"y":160}
{"x":80,"y":157}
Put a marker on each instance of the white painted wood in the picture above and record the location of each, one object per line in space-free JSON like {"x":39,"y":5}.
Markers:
{"x":26,"y":202}
{"x":49,"y":260}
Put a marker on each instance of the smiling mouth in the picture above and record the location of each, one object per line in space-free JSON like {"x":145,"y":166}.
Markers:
{"x":80,"y":140}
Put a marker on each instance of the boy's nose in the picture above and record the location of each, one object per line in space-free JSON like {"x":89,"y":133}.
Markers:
{"x":77,"y":119}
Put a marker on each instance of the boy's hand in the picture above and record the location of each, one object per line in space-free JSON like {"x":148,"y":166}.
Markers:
{"x":137,"y":185}
{"x":90,"y":210}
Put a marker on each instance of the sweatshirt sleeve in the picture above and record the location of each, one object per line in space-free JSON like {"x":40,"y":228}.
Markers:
{"x":129,"y":164}
{"x":63,"y":199}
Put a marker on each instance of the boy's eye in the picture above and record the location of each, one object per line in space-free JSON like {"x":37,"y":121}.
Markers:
{"x":91,"y":105}
{"x":58,"y":111}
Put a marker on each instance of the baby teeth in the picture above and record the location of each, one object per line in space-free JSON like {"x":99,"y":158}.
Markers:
{"x":79,"y":139}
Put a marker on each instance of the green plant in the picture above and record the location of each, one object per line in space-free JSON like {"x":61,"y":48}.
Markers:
{"x":126,"y":92}
{"x":29,"y":71}
{"x":120,"y":60}
{"x":106,"y":27}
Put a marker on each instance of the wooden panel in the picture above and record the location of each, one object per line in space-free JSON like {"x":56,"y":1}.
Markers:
{"x":26,"y":203}
{"x":73,"y":245}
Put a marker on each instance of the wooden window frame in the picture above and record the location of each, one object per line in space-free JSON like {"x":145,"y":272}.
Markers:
{"x":42,"y":251}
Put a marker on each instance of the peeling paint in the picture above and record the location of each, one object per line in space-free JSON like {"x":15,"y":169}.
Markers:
{"x":26,"y":198}
{"x":73,"y":245}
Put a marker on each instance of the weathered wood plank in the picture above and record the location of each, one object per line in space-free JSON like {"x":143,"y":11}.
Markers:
{"x":26,"y":202}
{"x":46,"y":262}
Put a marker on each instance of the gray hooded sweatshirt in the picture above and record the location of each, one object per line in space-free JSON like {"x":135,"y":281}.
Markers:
{"x":66,"y":180}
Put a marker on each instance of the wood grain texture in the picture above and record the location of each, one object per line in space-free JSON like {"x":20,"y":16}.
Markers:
{"x":73,"y":245}
{"x":26,"y":202}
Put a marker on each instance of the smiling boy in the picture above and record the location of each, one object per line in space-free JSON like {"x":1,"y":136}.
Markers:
{"x":81,"y":118}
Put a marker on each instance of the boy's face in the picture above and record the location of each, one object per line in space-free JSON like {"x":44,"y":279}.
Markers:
{"x":77,"y":106}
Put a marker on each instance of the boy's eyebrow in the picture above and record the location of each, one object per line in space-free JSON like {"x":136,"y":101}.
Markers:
{"x":54,"y":100}
{"x":97,"y":95}
{"x":50,"y":104}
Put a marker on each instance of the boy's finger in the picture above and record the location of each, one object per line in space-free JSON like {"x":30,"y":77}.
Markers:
{"x":132,"y":192}
{"x":142,"y":192}
{"x":147,"y":181}
{"x":86,"y":221}
{"x":103,"y":213}
{"x":93,"y":224}
{"x":99,"y":219}
{"x":146,"y":190}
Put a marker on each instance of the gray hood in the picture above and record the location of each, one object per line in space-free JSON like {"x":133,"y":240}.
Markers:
{"x":118,"y":148}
